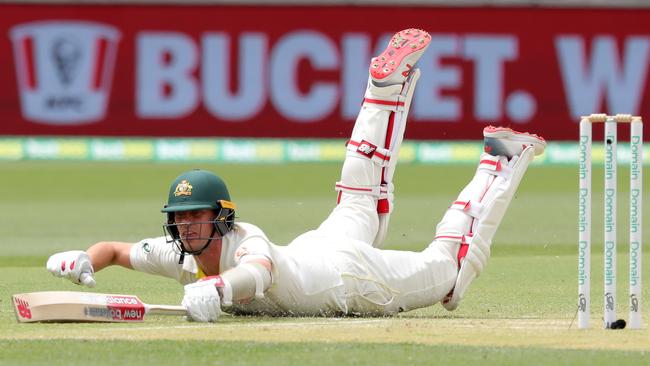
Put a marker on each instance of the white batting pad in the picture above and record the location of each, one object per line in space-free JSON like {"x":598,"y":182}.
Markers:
{"x":485,"y":222}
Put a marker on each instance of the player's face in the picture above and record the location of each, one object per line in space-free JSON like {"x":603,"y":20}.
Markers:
{"x":195,"y":227}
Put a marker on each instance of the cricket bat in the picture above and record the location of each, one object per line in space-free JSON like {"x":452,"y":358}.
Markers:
{"x":70,"y":306}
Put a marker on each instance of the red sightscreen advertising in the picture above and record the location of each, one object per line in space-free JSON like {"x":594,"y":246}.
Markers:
{"x":276,"y":71}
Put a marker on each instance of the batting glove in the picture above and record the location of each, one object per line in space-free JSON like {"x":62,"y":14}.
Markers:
{"x":74,"y":265}
{"x":202,"y":301}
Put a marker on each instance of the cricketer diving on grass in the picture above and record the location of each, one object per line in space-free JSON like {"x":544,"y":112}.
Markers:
{"x":338,"y":268}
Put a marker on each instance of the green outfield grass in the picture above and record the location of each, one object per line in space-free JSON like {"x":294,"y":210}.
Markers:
{"x":519,"y":312}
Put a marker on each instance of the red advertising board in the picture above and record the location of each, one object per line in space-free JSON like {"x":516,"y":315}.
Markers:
{"x":276,"y":71}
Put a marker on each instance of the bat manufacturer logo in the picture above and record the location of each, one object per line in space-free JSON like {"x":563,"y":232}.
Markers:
{"x":121,"y":300}
{"x":103,"y":313}
{"x":127,"y":308}
{"x":23,"y":308}
{"x":366,"y":148}
{"x":115,"y":313}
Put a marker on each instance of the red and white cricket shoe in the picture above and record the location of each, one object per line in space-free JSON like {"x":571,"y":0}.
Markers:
{"x":394,"y":64}
{"x":507,"y":142}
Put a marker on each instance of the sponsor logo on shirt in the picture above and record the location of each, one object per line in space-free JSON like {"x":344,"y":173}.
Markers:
{"x":240,"y":252}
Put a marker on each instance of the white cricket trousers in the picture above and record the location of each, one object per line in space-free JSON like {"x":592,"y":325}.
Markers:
{"x":380,"y":282}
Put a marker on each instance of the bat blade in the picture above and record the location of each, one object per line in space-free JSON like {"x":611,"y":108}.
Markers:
{"x":70,"y":306}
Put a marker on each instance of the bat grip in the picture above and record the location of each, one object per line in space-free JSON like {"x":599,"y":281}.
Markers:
{"x":87,"y":279}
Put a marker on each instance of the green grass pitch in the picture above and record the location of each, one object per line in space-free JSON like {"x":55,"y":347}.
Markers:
{"x":519,"y":311}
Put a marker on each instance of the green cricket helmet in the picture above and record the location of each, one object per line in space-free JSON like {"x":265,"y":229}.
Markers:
{"x":199,"y":190}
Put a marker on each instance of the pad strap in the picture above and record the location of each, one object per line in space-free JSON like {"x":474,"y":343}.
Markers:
{"x":492,"y":165}
{"x":378,"y":155}
{"x":380,"y":191}
{"x":472,"y":208}
{"x":462,"y":239}
{"x":393,"y":103}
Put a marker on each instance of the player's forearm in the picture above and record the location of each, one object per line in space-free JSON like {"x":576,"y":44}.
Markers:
{"x":108,"y":253}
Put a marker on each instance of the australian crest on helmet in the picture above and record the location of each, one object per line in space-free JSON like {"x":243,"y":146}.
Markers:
{"x":184,"y":188}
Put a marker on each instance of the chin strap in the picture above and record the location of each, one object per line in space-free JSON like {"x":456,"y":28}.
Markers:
{"x":184,"y":251}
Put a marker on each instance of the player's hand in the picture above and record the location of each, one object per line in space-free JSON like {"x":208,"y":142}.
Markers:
{"x":74,"y":265}
{"x":202,"y":301}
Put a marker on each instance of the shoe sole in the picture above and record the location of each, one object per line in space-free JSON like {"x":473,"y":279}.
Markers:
{"x":405,"y":46}
{"x":525,"y":138}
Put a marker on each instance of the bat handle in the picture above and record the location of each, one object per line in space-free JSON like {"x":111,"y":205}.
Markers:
{"x":166,"y":309}
{"x":87,"y":279}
